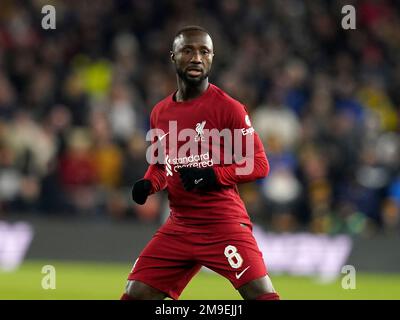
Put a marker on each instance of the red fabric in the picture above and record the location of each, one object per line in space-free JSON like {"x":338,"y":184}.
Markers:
{"x":156,"y":174}
{"x":227,"y":176}
{"x":269,"y":296}
{"x":216,"y":110}
{"x":175,"y":255}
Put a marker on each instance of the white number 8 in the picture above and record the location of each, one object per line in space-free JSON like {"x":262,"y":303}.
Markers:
{"x":231,"y":252}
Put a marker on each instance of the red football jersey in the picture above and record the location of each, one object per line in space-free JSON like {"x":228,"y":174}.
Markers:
{"x":195,"y":121}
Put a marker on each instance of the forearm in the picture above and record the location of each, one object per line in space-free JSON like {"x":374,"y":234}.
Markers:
{"x":231,"y":175}
{"x":156,"y":174}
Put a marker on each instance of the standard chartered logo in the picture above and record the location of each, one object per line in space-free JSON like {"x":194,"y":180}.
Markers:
{"x":205,"y":147}
{"x":192,"y":161}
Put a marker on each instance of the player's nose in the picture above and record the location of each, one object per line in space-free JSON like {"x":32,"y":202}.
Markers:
{"x":196,"y":57}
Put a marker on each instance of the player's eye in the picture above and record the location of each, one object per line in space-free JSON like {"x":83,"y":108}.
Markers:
{"x":187,"y":51}
{"x":205,"y":52}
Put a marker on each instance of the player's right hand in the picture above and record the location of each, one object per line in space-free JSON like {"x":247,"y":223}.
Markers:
{"x":141,"y":190}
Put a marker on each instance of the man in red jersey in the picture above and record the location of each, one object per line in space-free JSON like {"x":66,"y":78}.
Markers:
{"x":208,"y":223}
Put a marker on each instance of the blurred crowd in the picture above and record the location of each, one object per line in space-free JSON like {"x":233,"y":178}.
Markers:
{"x":75,"y":105}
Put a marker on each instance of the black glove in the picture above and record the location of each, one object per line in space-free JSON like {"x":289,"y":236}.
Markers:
{"x":194,"y":178}
{"x":141,"y":190}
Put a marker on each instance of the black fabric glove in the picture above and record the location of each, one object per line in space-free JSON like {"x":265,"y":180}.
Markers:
{"x":202,"y":179}
{"x":141,"y":190}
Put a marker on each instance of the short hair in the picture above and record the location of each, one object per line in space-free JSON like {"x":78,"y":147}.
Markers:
{"x":189,"y":29}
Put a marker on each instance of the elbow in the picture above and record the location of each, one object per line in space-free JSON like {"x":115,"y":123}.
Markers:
{"x":264,"y":168}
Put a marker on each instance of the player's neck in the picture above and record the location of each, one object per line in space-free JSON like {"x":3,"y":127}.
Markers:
{"x":188,"y":92}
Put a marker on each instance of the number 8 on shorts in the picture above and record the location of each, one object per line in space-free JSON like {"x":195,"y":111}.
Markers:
{"x":234,"y":258}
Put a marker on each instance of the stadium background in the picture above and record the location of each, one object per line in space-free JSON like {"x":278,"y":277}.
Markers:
{"x":74,"y":109}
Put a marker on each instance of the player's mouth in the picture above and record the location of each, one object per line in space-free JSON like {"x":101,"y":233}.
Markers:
{"x":194,"y":71}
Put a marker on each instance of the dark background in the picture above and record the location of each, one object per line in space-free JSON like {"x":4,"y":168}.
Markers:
{"x":75,"y":103}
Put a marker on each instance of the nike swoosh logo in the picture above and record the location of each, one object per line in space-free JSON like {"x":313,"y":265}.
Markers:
{"x":240,"y":274}
{"x":198,"y":181}
{"x":163,"y":136}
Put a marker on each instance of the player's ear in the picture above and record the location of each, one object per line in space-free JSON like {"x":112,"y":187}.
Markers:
{"x":172,"y":56}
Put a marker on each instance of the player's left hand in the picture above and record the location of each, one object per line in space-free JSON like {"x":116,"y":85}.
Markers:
{"x":194,"y":178}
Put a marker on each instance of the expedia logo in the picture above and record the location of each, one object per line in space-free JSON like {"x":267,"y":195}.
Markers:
{"x":246,"y":131}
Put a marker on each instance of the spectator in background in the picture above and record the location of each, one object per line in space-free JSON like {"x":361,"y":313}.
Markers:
{"x":7,"y":98}
{"x":77,"y":170}
{"x":326,"y":102}
{"x":107,"y":156}
{"x":123,"y":115}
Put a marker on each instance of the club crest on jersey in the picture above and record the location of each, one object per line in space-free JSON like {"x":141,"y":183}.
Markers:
{"x":203,"y":148}
{"x":200,"y":131}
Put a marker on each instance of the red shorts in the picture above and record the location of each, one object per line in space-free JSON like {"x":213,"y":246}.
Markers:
{"x":172,"y":258}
